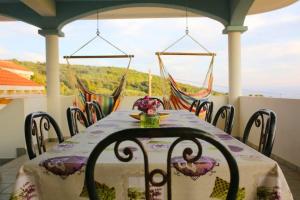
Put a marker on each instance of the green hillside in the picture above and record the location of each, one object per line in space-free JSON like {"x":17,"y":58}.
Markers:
{"x":101,"y":79}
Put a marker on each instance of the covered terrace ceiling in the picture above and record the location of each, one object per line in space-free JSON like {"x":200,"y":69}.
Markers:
{"x":54,"y":14}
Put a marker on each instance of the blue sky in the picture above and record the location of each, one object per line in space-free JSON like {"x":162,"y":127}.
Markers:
{"x":270,"y":48}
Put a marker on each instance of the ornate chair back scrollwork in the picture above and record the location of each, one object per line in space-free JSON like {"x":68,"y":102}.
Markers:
{"x":151,"y":98}
{"x":92,"y":109}
{"x":75,"y":115}
{"x":102,"y":115}
{"x":36,"y":125}
{"x":227,"y":113}
{"x":265,"y":120}
{"x":207,"y":108}
{"x":179,"y":134}
{"x":194,"y":105}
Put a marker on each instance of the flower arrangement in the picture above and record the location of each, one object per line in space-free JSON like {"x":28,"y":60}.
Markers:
{"x":148,"y":105}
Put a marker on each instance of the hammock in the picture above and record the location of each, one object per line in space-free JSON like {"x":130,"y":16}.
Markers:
{"x":174,"y":97}
{"x":108,"y":103}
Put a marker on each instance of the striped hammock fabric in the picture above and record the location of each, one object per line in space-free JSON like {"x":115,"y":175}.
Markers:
{"x":174,"y":98}
{"x":107,"y":103}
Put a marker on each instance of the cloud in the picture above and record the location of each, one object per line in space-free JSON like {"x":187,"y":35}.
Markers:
{"x":272,"y":64}
{"x":32,"y":56}
{"x":267,"y":20}
{"x":278,"y":52}
{"x":21,"y":55}
{"x":17,"y":28}
{"x":3,"y":51}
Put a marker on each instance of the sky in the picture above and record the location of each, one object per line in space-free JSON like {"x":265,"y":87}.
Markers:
{"x":270,"y":48}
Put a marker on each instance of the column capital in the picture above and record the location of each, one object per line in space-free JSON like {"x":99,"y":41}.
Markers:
{"x":45,"y":32}
{"x":240,"y":29}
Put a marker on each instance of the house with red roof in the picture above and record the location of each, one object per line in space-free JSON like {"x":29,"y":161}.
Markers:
{"x":15,"y":68}
{"x":15,"y":81}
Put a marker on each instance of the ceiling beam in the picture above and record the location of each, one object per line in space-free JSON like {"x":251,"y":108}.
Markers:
{"x":239,"y":10}
{"x":42,"y":7}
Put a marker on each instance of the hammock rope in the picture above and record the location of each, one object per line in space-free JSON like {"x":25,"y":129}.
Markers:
{"x":108,"y":103}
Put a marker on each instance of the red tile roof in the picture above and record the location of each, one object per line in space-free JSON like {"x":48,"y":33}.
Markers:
{"x":12,"y":65}
{"x":12,"y":79}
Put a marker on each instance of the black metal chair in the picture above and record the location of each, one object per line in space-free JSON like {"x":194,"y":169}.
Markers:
{"x":100,"y":109}
{"x":265,"y":120}
{"x":152,"y":98}
{"x":75,"y":115}
{"x":227,"y":113}
{"x":36,"y":124}
{"x":207,"y":107}
{"x":92,"y":109}
{"x":194,"y":105}
{"x":180,"y":134}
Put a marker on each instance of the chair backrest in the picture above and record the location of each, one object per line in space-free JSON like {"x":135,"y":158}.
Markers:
{"x":179,"y":135}
{"x":227,"y":113}
{"x":36,"y":125}
{"x":151,"y":98}
{"x":207,"y":108}
{"x":75,"y":115}
{"x":100,"y":109}
{"x":265,"y":121}
{"x":194,"y":105}
{"x":92,"y":109}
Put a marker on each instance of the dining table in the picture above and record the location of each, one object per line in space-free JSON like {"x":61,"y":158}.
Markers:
{"x":59,"y":173}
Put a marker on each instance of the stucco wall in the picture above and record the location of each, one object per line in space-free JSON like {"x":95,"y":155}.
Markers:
{"x":12,"y":119}
{"x":287,"y":141}
{"x":12,"y":124}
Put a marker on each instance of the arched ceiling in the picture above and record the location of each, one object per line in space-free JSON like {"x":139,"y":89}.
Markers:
{"x":54,"y":14}
{"x":261,"y":6}
{"x":258,"y":6}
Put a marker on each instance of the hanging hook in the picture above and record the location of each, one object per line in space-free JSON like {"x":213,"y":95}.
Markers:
{"x":97,"y":32}
{"x":186,"y":21}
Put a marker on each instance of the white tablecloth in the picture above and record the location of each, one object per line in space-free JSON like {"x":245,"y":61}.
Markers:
{"x":59,"y":173}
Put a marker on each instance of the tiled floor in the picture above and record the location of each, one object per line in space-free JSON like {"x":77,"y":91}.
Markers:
{"x":293,"y":178}
{"x":8,"y":174}
{"x":9,"y":171}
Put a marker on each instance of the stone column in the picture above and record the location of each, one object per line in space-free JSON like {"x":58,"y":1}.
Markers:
{"x":52,"y":74}
{"x":235,"y":74}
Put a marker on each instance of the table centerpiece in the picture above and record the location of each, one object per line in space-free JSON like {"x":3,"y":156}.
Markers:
{"x":149,"y":117}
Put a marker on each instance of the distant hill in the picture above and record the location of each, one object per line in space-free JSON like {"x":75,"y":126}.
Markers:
{"x":102,"y":79}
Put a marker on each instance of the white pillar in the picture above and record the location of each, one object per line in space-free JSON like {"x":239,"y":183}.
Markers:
{"x":234,"y":72}
{"x":234,"y":58}
{"x":235,"y":79}
{"x":52,"y":75}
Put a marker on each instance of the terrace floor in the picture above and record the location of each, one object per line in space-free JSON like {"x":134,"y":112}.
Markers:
{"x":9,"y":171}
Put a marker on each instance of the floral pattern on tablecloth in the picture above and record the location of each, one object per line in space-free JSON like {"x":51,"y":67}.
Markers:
{"x":105,"y":192}
{"x":235,"y":148}
{"x":269,"y":186}
{"x":65,"y":165}
{"x":26,"y":192}
{"x":196,"y":169}
{"x":220,"y":190}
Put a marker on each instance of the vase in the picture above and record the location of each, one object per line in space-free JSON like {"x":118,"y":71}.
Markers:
{"x":149,"y":121}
